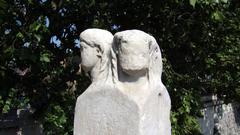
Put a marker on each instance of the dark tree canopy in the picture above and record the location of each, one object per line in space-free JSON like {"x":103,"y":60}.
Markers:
{"x":39,"y":47}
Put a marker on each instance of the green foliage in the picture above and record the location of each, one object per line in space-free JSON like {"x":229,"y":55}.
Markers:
{"x":56,"y":119}
{"x":192,"y":2}
{"x":199,"y":40}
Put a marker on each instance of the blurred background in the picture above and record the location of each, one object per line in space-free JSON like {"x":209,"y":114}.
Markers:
{"x":40,"y":77}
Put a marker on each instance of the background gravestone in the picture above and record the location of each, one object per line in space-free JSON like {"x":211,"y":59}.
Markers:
{"x":220,"y":118}
{"x":20,"y":122}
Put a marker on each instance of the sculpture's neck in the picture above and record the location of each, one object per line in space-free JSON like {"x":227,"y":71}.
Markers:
{"x":133,"y":81}
{"x":100,"y":72}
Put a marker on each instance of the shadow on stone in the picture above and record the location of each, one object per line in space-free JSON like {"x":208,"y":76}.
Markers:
{"x":236,"y":111}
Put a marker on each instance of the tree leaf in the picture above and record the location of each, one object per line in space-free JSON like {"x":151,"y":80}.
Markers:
{"x":192,"y":2}
{"x":6,"y":108}
{"x":20,"y":35}
{"x":225,"y":1}
{"x":3,"y":4}
{"x":217,"y":15}
{"x":38,"y":37}
{"x":45,"y":58}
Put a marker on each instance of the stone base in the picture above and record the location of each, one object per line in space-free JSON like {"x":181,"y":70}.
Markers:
{"x":109,"y":111}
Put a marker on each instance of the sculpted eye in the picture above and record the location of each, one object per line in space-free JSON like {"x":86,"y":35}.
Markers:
{"x":98,"y":50}
{"x":119,"y":41}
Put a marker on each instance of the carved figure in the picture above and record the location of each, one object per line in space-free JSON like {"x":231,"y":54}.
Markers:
{"x":126,"y":96}
{"x":95,"y":53}
{"x":137,"y":69}
{"x":102,"y":109}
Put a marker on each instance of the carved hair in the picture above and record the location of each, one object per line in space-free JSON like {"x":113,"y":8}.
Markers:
{"x":155,"y":64}
{"x":101,"y":39}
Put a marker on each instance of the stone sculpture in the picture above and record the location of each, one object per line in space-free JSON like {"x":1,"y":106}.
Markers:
{"x":95,"y":54}
{"x":132,"y":100}
{"x":137,"y":73}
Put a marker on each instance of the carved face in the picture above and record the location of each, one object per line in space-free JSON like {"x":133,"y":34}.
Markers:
{"x":133,"y":55}
{"x":90,"y":56}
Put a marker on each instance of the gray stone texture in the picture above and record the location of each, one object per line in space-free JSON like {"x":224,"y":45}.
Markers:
{"x":220,"y":118}
{"x":127,"y":96}
{"x":19,"y":122}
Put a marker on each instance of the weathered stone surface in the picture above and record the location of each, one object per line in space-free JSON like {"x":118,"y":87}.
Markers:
{"x":227,"y":119}
{"x":127,"y":96}
{"x":137,"y":69}
{"x":220,"y":118}
{"x":92,"y":111}
{"x":19,"y":122}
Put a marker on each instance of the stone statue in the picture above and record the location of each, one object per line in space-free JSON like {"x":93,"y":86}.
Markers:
{"x":95,"y":54}
{"x":137,"y":69}
{"x":126,"y":96}
{"x":102,"y":109}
